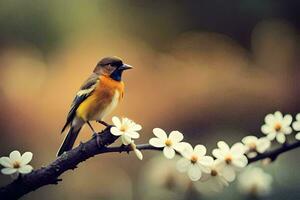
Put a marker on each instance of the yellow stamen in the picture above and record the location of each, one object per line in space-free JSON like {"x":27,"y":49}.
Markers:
{"x":213,"y":173}
{"x":16,"y":165}
{"x":252,"y":146}
{"x":277,"y":127}
{"x":168,"y":142}
{"x":228,"y":159}
{"x":124,"y":128}
{"x":194,"y":159}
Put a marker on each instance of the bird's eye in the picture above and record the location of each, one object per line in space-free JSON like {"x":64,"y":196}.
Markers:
{"x":116,"y":64}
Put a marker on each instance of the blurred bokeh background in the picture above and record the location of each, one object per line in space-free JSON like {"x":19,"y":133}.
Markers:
{"x":210,"y":69}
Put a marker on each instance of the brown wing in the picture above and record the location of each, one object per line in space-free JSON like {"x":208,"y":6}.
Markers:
{"x":85,"y":91}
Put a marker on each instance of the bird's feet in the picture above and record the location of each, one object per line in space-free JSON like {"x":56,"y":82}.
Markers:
{"x":104,"y":123}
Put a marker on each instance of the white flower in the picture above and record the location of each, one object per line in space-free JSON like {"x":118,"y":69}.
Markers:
{"x":194,"y":161}
{"x":254,"y":145}
{"x":277,"y":126}
{"x":170,"y":144}
{"x":137,"y":152}
{"x":15,"y":163}
{"x":126,"y":129}
{"x":231,"y":158}
{"x":216,"y":178}
{"x":254,"y":181}
{"x":296,"y":126}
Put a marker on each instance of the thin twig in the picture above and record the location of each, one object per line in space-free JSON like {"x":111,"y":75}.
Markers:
{"x":273,"y":154}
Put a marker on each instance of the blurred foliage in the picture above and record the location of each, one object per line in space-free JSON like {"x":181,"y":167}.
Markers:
{"x":47,"y":23}
{"x":211,"y":69}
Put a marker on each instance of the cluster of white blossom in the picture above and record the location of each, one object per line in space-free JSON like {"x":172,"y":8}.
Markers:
{"x":195,"y":162}
{"x":226,"y":162}
{"x":220,"y":168}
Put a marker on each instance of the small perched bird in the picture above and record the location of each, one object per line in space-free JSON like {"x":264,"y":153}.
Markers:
{"x":98,"y":96}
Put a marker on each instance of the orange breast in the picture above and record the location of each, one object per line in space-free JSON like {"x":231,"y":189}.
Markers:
{"x":108,"y":85}
{"x":102,"y":101}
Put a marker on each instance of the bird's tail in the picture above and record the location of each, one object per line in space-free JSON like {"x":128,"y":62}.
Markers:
{"x":69,"y":140}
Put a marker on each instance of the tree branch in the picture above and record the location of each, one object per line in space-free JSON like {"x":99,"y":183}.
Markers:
{"x":49,"y":174}
{"x":273,"y":154}
{"x":97,"y":145}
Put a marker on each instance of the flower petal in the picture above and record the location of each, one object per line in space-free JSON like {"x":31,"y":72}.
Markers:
{"x":228,"y":173}
{"x":15,"y":155}
{"x":249,"y":139}
{"x":158,"y":132}
{"x":157,"y":142}
{"x":194,"y":172}
{"x":297,"y":136}
{"x":200,"y":150}
{"x":298,"y":117}
{"x":183,"y":164}
{"x":132,"y":134}
{"x":280,"y":137}
{"x":115,"y":131}
{"x":26,"y":158}
{"x":8,"y":171}
{"x":278,"y":116}
{"x":169,"y":152}
{"x":287,"y":119}
{"x":25,"y":169}
{"x":240,"y":162}
{"x":296,"y":125}
{"x":179,"y":146}
{"x":204,"y":168}
{"x":217,"y":153}
{"x":116,"y":121}
{"x":136,"y":127}
{"x":206,"y":160}
{"x":223,"y":181}
{"x":266,"y":129}
{"x":126,"y":140}
{"x":287,"y":130}
{"x":219,"y":164}
{"x":5,"y":162}
{"x":187,"y":150}
{"x":237,"y":149}
{"x":175,"y":136}
{"x":263,"y":144}
{"x":269,"y":119}
{"x":271,"y":136}
{"x":251,"y":154}
{"x":223,"y":146}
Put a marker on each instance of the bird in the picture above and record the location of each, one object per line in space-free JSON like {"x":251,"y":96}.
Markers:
{"x":97,"y":97}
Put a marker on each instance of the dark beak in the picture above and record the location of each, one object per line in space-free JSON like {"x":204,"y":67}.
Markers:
{"x":125,"y":67}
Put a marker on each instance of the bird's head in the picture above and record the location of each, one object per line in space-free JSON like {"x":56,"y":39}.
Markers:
{"x":112,"y":67}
